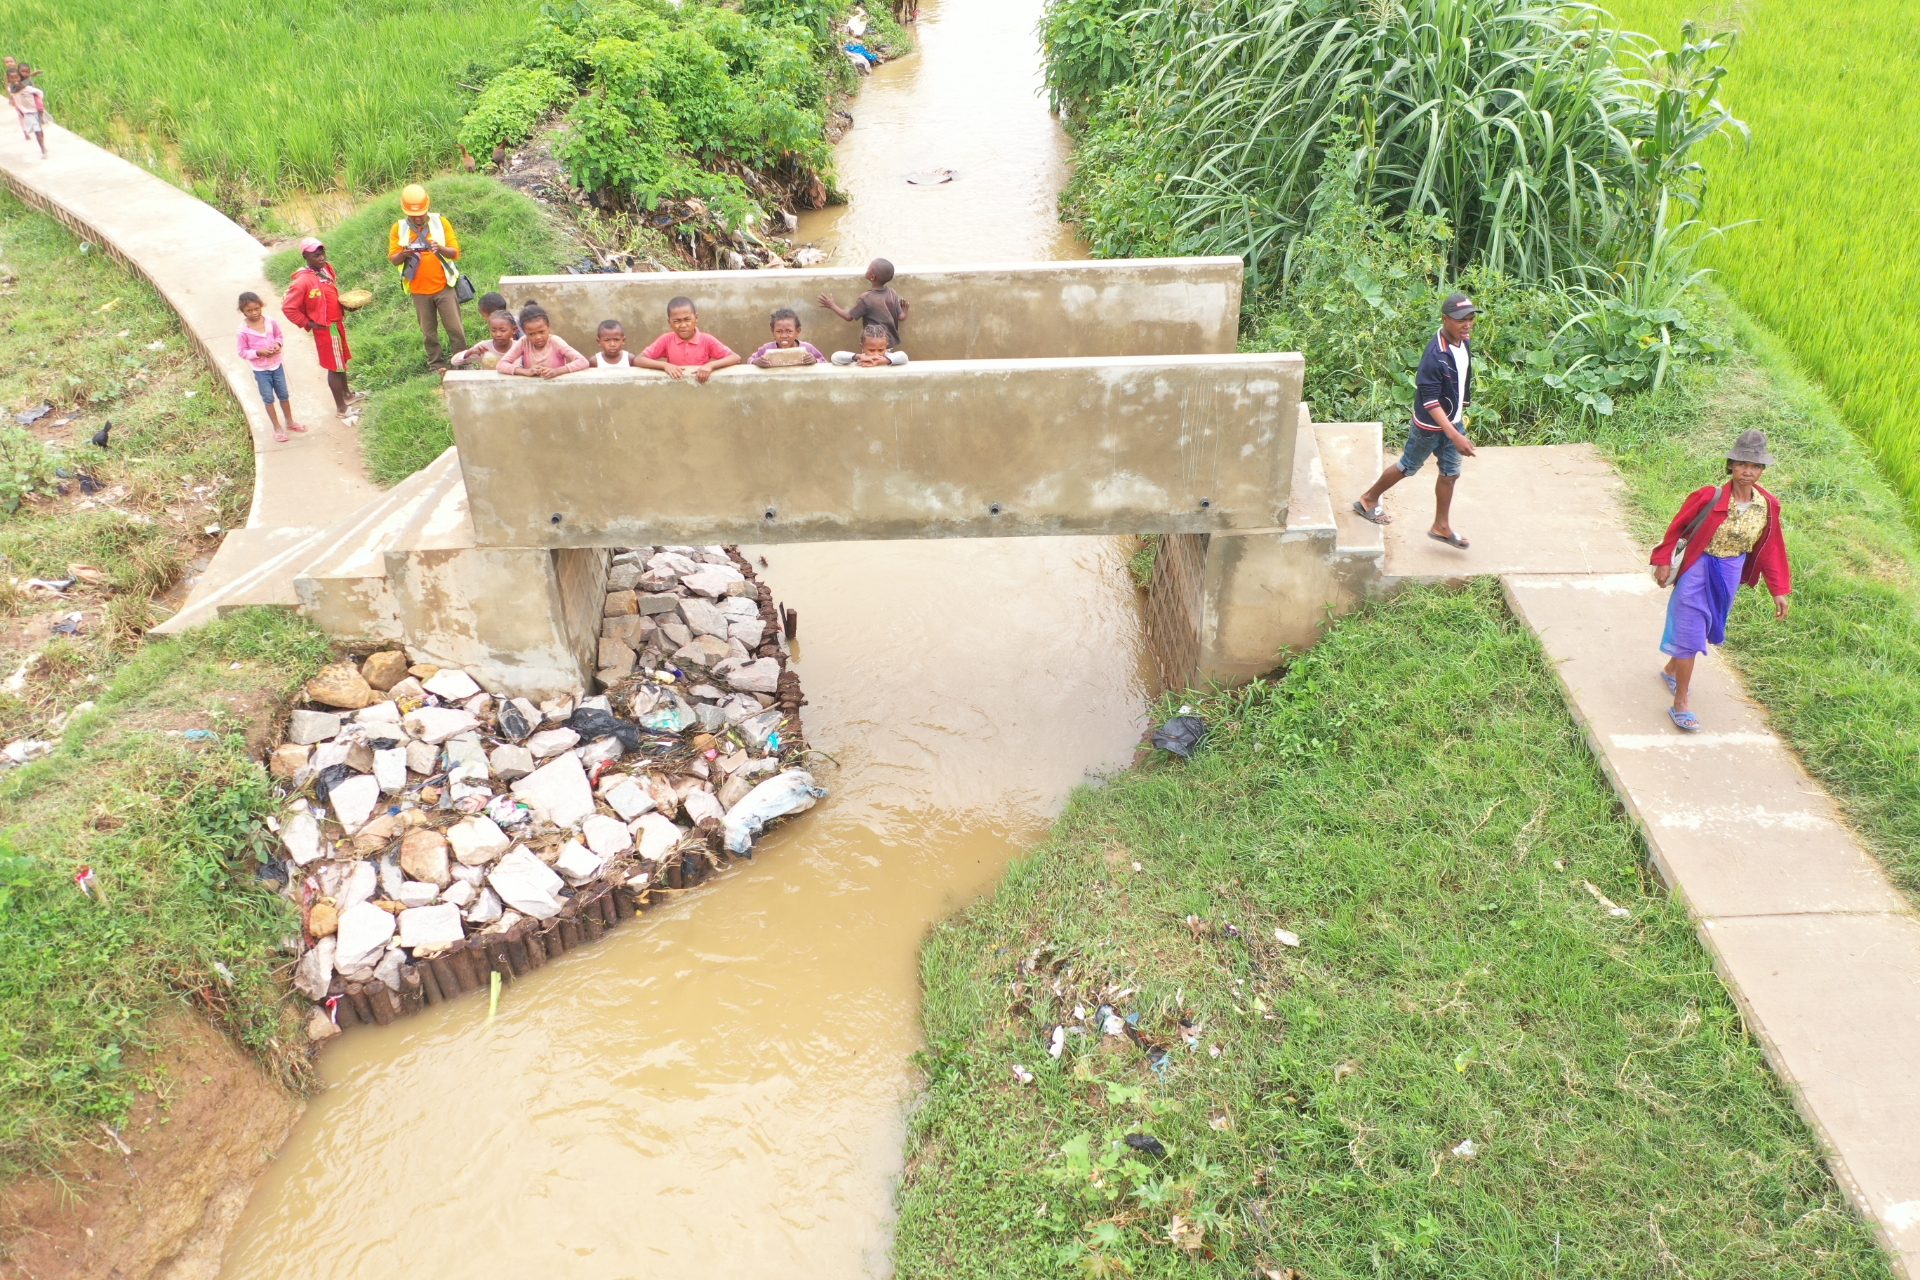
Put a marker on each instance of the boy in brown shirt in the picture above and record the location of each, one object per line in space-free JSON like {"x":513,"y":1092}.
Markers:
{"x":879,"y":305}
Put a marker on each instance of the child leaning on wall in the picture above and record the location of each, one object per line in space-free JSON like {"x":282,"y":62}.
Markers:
{"x":613,"y":353}
{"x":502,"y":332}
{"x":684,"y":351}
{"x":873,"y":353}
{"x":785,"y":325}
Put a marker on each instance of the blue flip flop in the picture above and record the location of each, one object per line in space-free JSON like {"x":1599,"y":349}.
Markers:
{"x":1673,"y":686}
{"x":1685,"y":721}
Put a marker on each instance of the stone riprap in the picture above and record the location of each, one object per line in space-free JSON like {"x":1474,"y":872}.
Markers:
{"x":435,"y":834}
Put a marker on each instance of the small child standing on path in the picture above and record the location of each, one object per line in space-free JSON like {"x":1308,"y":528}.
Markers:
{"x":613,"y":353}
{"x":879,"y":305}
{"x":30,"y":103}
{"x":873,"y":353}
{"x":684,"y":351}
{"x":786,"y":337}
{"x":263,"y":347}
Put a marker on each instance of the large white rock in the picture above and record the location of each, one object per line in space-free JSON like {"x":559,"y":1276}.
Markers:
{"x":315,"y":970}
{"x":526,"y":884}
{"x":704,"y":617}
{"x":437,"y":724}
{"x":380,"y":714}
{"x":578,"y":864}
{"x":711,"y":580}
{"x":759,"y":676}
{"x":606,"y":836}
{"x":739,"y":610}
{"x":551,"y":742}
{"x":749,"y":633}
{"x":485,"y":909}
{"x":415,"y":893}
{"x":430,"y":926}
{"x":560,"y":789}
{"x":422,"y":758}
{"x":477,"y":841}
{"x":459,"y":893}
{"x":353,"y":800}
{"x":362,"y":936}
{"x":301,"y":835}
{"x":657,"y":835}
{"x":628,"y":799}
{"x":358,"y":886}
{"x":755,"y":730}
{"x":305,"y":728}
{"x":701,"y":804}
{"x":390,"y":770}
{"x":454,"y":686}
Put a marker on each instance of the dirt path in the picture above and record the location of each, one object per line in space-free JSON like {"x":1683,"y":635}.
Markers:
{"x":164,"y":1206}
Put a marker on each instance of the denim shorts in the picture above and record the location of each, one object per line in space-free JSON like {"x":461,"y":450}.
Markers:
{"x":1423,"y":444}
{"x":272,"y":382}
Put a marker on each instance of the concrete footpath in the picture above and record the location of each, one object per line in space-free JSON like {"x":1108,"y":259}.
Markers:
{"x":1819,"y":949}
{"x":201,"y":262}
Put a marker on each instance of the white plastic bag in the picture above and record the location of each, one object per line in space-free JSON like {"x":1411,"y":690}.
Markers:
{"x":789,"y":792}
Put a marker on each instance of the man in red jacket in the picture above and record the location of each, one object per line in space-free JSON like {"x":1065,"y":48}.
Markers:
{"x":313,"y":303}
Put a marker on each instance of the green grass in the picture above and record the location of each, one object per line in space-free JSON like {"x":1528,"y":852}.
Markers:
{"x":1840,"y":678}
{"x":1413,"y":801}
{"x":1829,"y":265}
{"x":249,"y":98}
{"x":169,"y":825}
{"x":76,"y":330}
{"x":501,"y":233}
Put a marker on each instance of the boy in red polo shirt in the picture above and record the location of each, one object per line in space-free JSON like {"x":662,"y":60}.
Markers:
{"x":685,"y":351}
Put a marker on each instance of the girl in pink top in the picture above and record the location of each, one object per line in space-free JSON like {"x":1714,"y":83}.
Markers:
{"x":540,"y":352}
{"x":261,"y":346}
{"x":30,"y":104}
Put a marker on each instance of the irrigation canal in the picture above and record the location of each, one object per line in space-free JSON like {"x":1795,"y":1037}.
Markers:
{"x":718,"y":1089}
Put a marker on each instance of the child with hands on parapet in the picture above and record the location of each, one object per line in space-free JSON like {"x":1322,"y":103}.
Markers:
{"x":613,"y":353}
{"x":786,"y":337}
{"x":684,"y":351}
{"x":488,"y":353}
{"x":540,"y":352}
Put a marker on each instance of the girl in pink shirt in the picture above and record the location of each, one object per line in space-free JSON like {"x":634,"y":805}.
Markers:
{"x":261,"y":346}
{"x":540,"y":352}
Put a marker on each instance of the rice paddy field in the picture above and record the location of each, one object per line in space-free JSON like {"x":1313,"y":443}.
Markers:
{"x":241,"y":100}
{"x":1828,"y":90}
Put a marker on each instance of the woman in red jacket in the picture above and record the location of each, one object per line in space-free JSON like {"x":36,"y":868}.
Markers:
{"x":1731,"y":536}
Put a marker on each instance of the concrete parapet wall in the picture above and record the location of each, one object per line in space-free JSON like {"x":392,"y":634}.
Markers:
{"x":1127,"y":306}
{"x":1182,"y":444}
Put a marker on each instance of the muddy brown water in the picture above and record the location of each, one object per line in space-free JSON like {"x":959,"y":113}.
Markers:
{"x":718,"y":1088}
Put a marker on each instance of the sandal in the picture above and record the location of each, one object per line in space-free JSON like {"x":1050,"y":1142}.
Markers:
{"x":1673,"y":686}
{"x":1377,"y":515}
{"x":1685,"y":721}
{"x":281,"y":437}
{"x":1450,"y":538}
{"x":295,"y":426}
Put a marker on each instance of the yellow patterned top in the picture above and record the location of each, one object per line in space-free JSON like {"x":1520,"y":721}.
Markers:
{"x":1743,"y":527}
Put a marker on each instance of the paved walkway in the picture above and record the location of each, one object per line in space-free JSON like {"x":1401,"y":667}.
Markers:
{"x":1818,"y":948}
{"x":201,"y":262}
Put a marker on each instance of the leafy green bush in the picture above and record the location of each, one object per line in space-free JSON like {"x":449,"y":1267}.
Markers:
{"x":674,"y":99}
{"x":24,"y":468}
{"x":510,"y":106}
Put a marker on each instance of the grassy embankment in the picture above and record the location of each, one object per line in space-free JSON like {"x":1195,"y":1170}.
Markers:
{"x":1828,"y":265}
{"x":1413,"y":801}
{"x":501,"y":232}
{"x":263,"y":98}
{"x":167,"y":822}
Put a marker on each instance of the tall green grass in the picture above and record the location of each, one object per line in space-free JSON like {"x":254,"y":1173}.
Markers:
{"x":1830,"y":266}
{"x":262,"y":97}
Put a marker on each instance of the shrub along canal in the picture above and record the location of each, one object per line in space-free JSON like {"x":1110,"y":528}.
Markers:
{"x":719,"y":1085}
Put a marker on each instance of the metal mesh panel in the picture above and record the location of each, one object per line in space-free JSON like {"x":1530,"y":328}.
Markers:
{"x":1175,"y":598}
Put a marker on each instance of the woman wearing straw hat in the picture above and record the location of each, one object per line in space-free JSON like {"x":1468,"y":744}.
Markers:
{"x":422,"y":244}
{"x":1729,"y":536}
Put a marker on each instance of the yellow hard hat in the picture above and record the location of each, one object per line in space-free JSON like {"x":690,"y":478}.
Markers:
{"x":413,"y":198}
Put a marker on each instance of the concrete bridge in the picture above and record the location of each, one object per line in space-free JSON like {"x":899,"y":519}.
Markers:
{"x":1062,"y":398}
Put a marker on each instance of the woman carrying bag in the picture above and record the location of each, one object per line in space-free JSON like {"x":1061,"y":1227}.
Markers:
{"x":1728,"y":536}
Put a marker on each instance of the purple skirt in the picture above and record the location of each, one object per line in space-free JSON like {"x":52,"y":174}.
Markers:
{"x":1697,"y":610}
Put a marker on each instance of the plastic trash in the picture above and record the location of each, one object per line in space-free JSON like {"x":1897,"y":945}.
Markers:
{"x":34,"y":414}
{"x":1181,"y":735}
{"x":1146,"y":1144}
{"x":592,"y":723}
{"x":790,"y":792}
{"x":671,"y":716}
{"x":330,"y":777}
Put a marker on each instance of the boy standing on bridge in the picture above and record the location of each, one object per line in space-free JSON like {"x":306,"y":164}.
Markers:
{"x":879,"y":305}
{"x":1442,"y":390}
{"x":683,"y":351}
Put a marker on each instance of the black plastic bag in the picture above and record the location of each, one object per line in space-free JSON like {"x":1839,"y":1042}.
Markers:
{"x":330,"y":777}
{"x":512,"y":722}
{"x":1181,"y":735}
{"x":592,"y":723}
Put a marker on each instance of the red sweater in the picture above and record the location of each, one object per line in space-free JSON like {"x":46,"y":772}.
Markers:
{"x":313,"y":299}
{"x":1768,"y":558}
